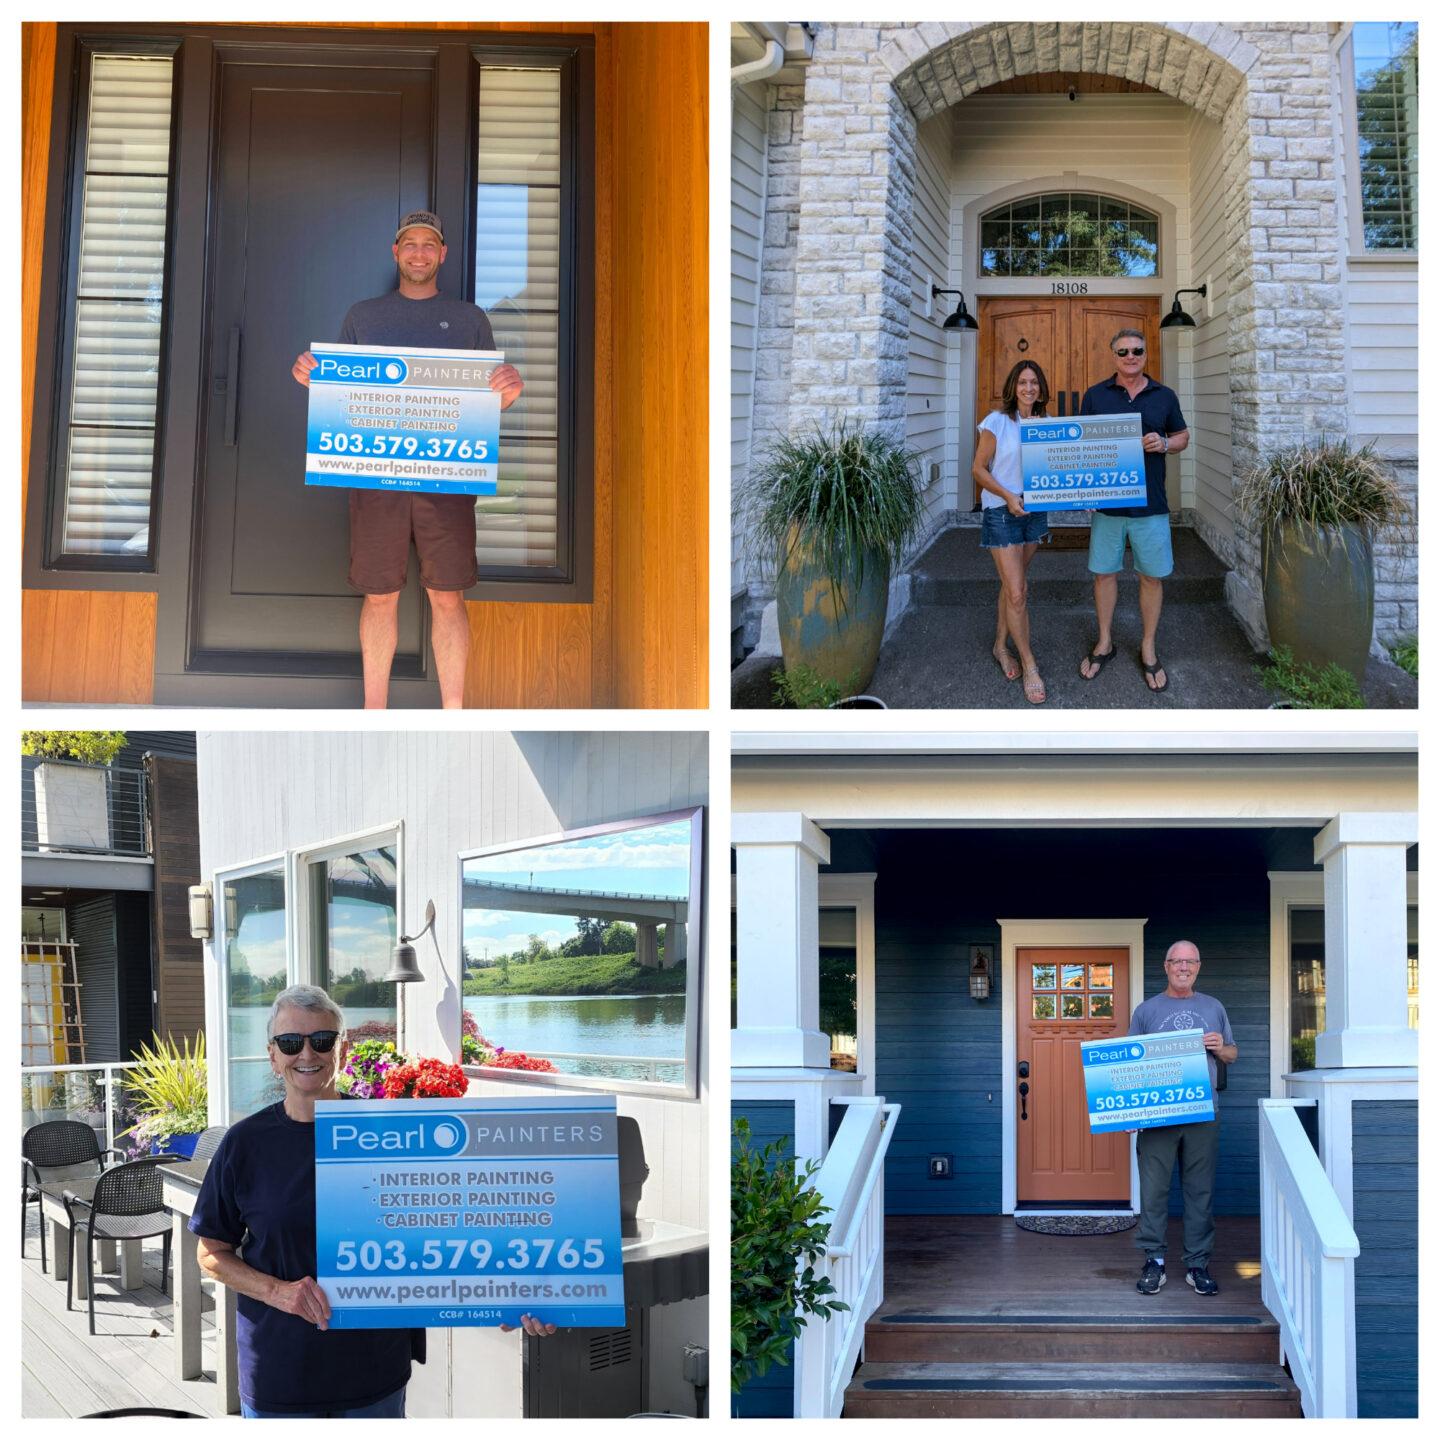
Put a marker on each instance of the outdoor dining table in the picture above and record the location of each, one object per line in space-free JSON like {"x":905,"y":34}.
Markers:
{"x":180,"y":1187}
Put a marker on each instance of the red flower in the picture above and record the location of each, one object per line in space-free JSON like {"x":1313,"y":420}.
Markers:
{"x":518,"y":1060}
{"x":427,"y":1078}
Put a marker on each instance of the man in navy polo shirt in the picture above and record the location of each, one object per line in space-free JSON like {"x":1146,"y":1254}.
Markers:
{"x":1130,"y":391}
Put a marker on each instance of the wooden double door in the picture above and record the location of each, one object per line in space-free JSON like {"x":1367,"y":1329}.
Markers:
{"x":1066,"y":997}
{"x":1067,"y":336}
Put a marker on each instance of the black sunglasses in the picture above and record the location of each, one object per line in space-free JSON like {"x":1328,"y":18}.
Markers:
{"x":322,"y":1042}
{"x":1136,"y":350}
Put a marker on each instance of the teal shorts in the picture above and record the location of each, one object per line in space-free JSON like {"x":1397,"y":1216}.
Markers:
{"x":1149,"y":537}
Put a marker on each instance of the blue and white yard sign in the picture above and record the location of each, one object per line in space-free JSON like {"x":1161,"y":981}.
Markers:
{"x":468,"y":1212}
{"x":403,"y":419}
{"x":1136,"y":1082}
{"x":1086,"y":462}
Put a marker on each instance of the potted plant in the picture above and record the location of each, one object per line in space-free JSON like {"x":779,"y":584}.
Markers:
{"x":72,"y":790}
{"x":168,"y":1088}
{"x":1316,"y":507}
{"x":835,"y":510}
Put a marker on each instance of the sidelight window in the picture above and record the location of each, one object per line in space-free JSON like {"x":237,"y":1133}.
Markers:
{"x":1069,"y":233}
{"x":1387,"y":86}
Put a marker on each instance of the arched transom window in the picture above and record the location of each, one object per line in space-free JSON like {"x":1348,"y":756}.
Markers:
{"x":1069,"y":233}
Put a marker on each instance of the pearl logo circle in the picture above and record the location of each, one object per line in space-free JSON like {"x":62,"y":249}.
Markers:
{"x":445,"y":1135}
{"x":393,"y":371}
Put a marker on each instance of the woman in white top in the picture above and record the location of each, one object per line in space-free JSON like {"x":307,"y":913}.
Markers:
{"x":1007,"y":531}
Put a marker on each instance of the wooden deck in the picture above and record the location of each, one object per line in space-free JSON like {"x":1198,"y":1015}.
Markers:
{"x":129,"y":1361}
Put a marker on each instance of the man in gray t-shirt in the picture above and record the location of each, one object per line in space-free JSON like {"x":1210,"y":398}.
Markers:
{"x":1180,"y":1007}
{"x":383,"y":522}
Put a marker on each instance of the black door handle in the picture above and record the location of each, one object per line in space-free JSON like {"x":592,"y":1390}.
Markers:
{"x":1024,"y":1091}
{"x":232,"y":385}
{"x":1060,"y":398}
{"x":1074,"y":402}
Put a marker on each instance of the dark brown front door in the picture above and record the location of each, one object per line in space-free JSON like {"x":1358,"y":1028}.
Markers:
{"x":1064,"y":997}
{"x":315,"y":164}
{"x":1067,"y":336}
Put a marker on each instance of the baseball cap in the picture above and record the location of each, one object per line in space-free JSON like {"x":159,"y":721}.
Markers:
{"x":422,"y":219}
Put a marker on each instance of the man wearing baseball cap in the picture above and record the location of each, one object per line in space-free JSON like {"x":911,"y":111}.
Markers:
{"x":382,"y":522}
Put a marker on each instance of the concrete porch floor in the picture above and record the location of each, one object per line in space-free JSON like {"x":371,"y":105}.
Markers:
{"x":938,"y":656}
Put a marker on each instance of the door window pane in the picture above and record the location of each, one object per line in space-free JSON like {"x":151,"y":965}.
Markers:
{"x":352,"y":907}
{"x":837,"y":986}
{"x":1072,"y":1007}
{"x":1102,"y":977}
{"x":1072,"y":977}
{"x":256,"y":971}
{"x":1044,"y":1007}
{"x":1102,"y":1007}
{"x":1042,"y":977}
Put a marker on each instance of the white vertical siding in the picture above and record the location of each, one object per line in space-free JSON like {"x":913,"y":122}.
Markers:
{"x":1383,"y":299}
{"x":747,"y":227}
{"x":1208,"y":411}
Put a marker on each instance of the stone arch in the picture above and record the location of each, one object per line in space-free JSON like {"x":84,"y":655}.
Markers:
{"x":1202,"y":64}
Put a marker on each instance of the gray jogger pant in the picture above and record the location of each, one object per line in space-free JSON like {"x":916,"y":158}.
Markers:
{"x":1155,"y":1151}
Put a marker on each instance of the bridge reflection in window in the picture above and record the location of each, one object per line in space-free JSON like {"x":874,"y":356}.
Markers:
{"x":583,"y":951}
{"x":1069,"y":233}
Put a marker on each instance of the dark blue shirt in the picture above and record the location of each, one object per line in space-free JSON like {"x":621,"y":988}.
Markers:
{"x":259,"y":1192}
{"x":1159,"y":409}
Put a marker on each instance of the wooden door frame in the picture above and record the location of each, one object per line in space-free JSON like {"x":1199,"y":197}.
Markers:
{"x":1024,"y":934}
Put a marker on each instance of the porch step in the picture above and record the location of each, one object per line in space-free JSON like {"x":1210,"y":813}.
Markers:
{"x":955,"y":570}
{"x":899,"y":1337}
{"x":1039,"y":1389}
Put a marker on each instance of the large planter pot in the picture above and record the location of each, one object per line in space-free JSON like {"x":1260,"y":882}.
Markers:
{"x":837,"y":635}
{"x":177,"y":1145}
{"x":71,"y":807}
{"x":1320,"y":594}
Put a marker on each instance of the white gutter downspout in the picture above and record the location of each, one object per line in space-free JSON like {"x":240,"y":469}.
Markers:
{"x":770,"y":63}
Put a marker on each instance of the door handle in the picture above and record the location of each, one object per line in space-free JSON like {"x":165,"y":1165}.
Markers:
{"x":1060,"y":398}
{"x":232,"y":386}
{"x":1024,"y":1091}
{"x":1074,"y":402}
{"x":1023,"y":1069}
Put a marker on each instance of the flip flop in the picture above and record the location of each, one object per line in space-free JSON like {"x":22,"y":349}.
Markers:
{"x":1001,"y":664}
{"x":1029,"y":686}
{"x":1101,"y":660}
{"x":1150,"y":671}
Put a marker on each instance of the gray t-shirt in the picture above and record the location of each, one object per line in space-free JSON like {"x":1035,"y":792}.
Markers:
{"x":439,"y":323}
{"x":1199,"y":1012}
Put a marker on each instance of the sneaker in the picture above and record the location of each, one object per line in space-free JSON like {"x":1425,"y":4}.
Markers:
{"x":1152,"y":1277}
{"x":1197,"y":1277}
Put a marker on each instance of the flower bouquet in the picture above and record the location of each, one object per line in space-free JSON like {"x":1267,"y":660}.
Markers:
{"x":366,"y":1067}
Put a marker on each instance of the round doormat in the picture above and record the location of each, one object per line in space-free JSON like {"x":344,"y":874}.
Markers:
{"x":1076,"y":1224}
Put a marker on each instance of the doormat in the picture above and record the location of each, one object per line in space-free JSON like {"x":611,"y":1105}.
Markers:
{"x":1077,"y":1224}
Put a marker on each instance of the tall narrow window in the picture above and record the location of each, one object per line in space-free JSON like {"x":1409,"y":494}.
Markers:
{"x":256,"y":971}
{"x":518,"y":283}
{"x":116,"y":356}
{"x":353,"y":919}
{"x":1387,"y":85}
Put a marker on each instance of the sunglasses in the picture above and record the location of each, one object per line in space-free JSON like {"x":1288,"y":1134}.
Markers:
{"x":1136,"y":350}
{"x":322,"y":1042}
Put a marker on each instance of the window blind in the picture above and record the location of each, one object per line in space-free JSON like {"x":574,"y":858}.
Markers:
{"x":1387,"y":84}
{"x":517,"y":283}
{"x":116,"y":366}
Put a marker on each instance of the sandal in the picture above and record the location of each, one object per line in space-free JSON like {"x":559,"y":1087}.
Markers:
{"x":1150,"y":671}
{"x":1101,"y":660}
{"x":1031,"y":686}
{"x":1002,"y":664}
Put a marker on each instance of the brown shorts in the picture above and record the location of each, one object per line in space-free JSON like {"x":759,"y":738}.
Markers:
{"x":381,"y":524}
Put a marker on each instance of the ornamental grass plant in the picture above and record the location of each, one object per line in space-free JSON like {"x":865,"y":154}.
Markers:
{"x":169,"y":1089}
{"x":845,"y":495}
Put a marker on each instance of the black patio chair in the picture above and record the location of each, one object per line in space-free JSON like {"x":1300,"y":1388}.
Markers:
{"x":127,"y":1205}
{"x":209,"y":1142}
{"x":56,"y":1150}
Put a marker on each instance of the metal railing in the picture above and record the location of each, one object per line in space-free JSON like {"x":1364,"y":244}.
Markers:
{"x":1307,"y":1264}
{"x":851,"y":1181}
{"x":91,"y":1094}
{"x":618,"y":1067}
{"x":71,"y":808}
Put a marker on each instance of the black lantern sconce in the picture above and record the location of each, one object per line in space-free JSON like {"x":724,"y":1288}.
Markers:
{"x":962,"y":319}
{"x":1177,"y":319}
{"x":982,"y":957}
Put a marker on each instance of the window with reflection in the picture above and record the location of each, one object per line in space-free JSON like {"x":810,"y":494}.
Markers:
{"x":353,"y":930}
{"x":583,"y":951}
{"x":1387,"y":106}
{"x":1069,"y":233}
{"x":837,"y":986}
{"x":256,"y":971}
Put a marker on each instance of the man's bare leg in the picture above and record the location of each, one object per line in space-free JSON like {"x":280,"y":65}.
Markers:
{"x":1152,"y":592}
{"x":450,"y":639}
{"x":379,"y":630}
{"x":1106,"y":589}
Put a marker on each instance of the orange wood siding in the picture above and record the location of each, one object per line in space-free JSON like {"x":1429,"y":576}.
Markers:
{"x":37,"y":84}
{"x":643,"y":640}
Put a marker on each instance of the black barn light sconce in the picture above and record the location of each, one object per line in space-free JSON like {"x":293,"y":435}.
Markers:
{"x":962,"y":319}
{"x":981,"y":958}
{"x":1177,"y":319}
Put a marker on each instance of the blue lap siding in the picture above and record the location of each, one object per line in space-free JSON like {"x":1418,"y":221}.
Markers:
{"x":1386,"y":1179}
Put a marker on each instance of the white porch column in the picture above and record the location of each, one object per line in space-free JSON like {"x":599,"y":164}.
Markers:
{"x":1365,"y":970}
{"x":777,"y":910}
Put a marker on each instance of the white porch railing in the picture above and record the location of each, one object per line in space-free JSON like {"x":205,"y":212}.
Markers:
{"x":1307,"y":1253}
{"x":852,"y":1183}
{"x":88,"y":1093}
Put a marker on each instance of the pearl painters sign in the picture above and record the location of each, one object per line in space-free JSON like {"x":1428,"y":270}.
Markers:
{"x":403,"y":419}
{"x":1086,"y":462}
{"x":1136,"y":1082}
{"x":468,"y":1212}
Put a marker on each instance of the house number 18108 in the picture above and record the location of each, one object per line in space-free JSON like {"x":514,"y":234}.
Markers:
{"x":1070,"y":287}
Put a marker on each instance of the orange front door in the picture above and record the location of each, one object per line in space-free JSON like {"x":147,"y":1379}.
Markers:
{"x":1068,"y":337}
{"x":1064,"y":997}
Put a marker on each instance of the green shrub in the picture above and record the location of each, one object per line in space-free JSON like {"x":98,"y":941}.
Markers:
{"x":804,"y":688}
{"x":91,"y":747}
{"x":1310,"y":689}
{"x":774,"y":1227}
{"x":1407,"y":655}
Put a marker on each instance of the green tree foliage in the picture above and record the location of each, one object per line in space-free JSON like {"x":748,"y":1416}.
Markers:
{"x":536,"y":949}
{"x":92,"y":747}
{"x":775,"y":1230}
{"x":592,"y":935}
{"x":620,"y":939}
